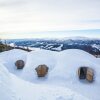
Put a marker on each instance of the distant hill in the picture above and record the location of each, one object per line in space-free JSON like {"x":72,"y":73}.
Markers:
{"x":90,"y":45}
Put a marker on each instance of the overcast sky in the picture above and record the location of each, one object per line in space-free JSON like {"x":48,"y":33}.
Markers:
{"x":23,"y":16}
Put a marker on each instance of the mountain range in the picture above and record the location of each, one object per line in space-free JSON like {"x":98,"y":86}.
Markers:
{"x":87,"y":44}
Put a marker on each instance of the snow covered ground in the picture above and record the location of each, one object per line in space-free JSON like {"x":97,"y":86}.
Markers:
{"x":61,"y":83}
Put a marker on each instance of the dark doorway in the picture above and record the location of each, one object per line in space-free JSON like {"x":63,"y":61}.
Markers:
{"x":82,"y":72}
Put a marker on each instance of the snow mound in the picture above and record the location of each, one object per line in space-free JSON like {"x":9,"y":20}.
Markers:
{"x":6,"y":88}
{"x":59,"y":63}
{"x":36,"y":58}
{"x":69,"y":61}
{"x":62,"y":75}
{"x":63,"y":67}
{"x":9,"y":58}
{"x":28,"y":91}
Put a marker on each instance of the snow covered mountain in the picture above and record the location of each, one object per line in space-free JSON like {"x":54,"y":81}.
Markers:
{"x":90,"y":45}
{"x":61,"y":83}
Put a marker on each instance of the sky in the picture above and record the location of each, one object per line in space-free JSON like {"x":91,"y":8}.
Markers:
{"x":49,"y":18}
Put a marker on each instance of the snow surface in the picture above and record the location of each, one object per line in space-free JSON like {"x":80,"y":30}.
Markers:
{"x":6,"y":86}
{"x":61,"y":83}
{"x":96,"y":46}
{"x":9,"y":58}
{"x":58,"y":48}
{"x":12,"y":44}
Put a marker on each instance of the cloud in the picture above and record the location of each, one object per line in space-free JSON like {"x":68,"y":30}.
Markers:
{"x":6,"y":3}
{"x":47,"y":15}
{"x":94,"y":33}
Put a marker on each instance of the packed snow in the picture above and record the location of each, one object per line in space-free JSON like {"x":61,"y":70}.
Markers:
{"x":61,"y":82}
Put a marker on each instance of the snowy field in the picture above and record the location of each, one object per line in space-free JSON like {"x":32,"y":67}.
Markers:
{"x":61,"y":82}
